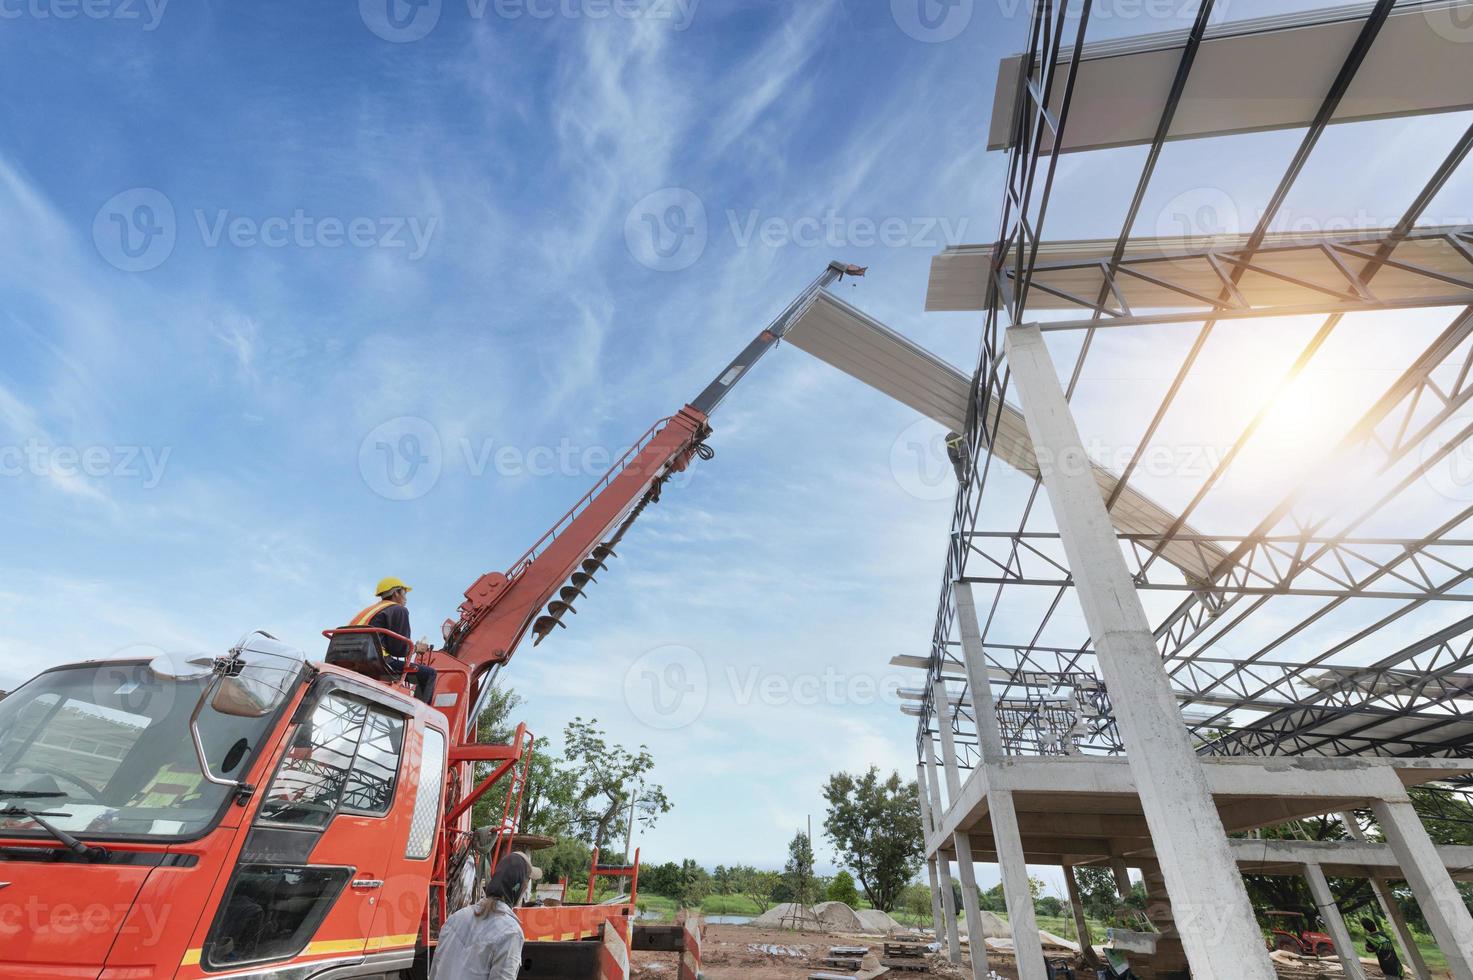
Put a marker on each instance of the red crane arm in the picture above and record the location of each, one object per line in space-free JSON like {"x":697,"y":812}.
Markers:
{"x":502,"y":607}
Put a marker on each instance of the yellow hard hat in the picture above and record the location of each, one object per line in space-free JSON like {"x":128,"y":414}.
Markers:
{"x":389,"y":585}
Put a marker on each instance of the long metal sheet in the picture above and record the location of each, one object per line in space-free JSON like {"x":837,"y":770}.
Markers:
{"x":1261,"y":74}
{"x":1430,"y":263}
{"x":862,"y":347}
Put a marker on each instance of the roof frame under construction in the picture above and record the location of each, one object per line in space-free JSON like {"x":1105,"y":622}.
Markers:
{"x":1149,"y":742}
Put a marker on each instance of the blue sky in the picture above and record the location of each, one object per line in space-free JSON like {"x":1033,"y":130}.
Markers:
{"x":243,"y":245}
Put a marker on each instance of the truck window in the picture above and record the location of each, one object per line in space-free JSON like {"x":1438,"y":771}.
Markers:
{"x":427,"y":797}
{"x":345,"y":756}
{"x":270,"y":913}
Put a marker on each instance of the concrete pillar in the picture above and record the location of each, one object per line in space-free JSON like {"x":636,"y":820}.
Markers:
{"x":1015,"y":886}
{"x":1011,"y":858}
{"x":948,"y":909}
{"x":928,"y":827}
{"x":1081,"y":924}
{"x":1218,"y":929}
{"x":967,"y":870}
{"x":1122,"y":879}
{"x":943,"y":870}
{"x":944,"y":715}
{"x":1170,"y":955}
{"x":938,"y":924}
{"x":1411,"y":953}
{"x":1439,"y":899}
{"x":979,"y":683}
{"x":1324,"y":900}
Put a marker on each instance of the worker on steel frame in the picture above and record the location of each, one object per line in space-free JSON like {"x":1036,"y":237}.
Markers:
{"x":391,"y":613}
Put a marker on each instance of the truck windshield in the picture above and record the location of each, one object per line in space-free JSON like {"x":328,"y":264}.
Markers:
{"x":105,"y":750}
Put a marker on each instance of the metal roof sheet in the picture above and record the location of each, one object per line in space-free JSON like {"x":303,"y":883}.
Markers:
{"x":1426,"y":263}
{"x":1261,"y":74}
{"x":862,"y":347}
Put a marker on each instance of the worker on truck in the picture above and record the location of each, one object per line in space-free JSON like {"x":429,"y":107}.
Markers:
{"x":391,"y":613}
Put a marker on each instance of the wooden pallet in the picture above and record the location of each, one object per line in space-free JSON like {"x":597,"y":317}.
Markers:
{"x":848,"y":963}
{"x":906,"y":964}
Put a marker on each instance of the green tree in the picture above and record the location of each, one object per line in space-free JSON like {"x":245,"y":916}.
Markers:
{"x":695,"y":884}
{"x":1097,"y":892}
{"x":842,"y":889}
{"x":758,"y":886}
{"x":569,"y":858}
{"x":916,"y":899}
{"x":798,"y":872}
{"x":661,"y":879}
{"x":608,"y":776}
{"x":876,"y":826}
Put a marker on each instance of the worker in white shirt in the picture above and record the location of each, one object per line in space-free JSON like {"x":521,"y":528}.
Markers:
{"x":484,"y":941}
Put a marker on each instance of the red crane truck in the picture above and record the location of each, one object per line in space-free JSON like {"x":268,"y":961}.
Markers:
{"x":261,"y":815}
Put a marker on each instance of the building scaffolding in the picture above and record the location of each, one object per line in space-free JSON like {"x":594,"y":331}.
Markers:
{"x":1315,"y":663}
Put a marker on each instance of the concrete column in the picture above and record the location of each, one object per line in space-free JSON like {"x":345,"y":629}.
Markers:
{"x":1081,"y":924}
{"x":1324,"y":900}
{"x":938,"y":806}
{"x":1122,"y":879}
{"x":1218,"y":930}
{"x":1015,"y":886}
{"x":944,"y":715}
{"x":979,"y":683}
{"x":927,"y":828}
{"x":967,"y":871}
{"x":948,"y":909}
{"x":943,"y":869}
{"x":939,"y":924}
{"x":1011,"y":858}
{"x":1438,"y":897}
{"x":1170,"y":956}
{"x":1411,"y":953}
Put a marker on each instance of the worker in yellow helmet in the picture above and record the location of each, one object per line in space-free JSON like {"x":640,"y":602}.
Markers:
{"x":391,"y":613}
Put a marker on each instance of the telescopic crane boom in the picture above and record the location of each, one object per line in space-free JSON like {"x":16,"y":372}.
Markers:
{"x":538,"y":591}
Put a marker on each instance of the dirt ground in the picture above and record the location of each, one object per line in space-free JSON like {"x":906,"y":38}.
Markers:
{"x":750,"y":953}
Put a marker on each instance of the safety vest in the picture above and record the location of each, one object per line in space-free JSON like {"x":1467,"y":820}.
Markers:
{"x":363,"y":618}
{"x":366,"y":616}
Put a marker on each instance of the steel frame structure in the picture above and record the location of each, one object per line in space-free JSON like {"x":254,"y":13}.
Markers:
{"x":1413,"y":700}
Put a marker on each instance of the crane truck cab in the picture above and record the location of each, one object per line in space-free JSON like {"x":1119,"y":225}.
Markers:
{"x":252,"y":815}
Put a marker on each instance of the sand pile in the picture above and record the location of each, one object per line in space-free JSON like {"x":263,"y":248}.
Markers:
{"x":789,"y":915}
{"x":993,"y":926}
{"x":875,"y":921}
{"x":837,"y":917}
{"x":828,"y":917}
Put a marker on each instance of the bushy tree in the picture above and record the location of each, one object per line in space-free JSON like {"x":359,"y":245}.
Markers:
{"x":876,"y":826}
{"x":842,"y":889}
{"x":695,"y":884}
{"x":568,"y":858}
{"x":758,"y":886}
{"x":798,"y":872}
{"x":916,"y":899}
{"x":661,"y":879}
{"x":586,"y":794}
{"x":607,"y":776}
{"x":1097,"y":892}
